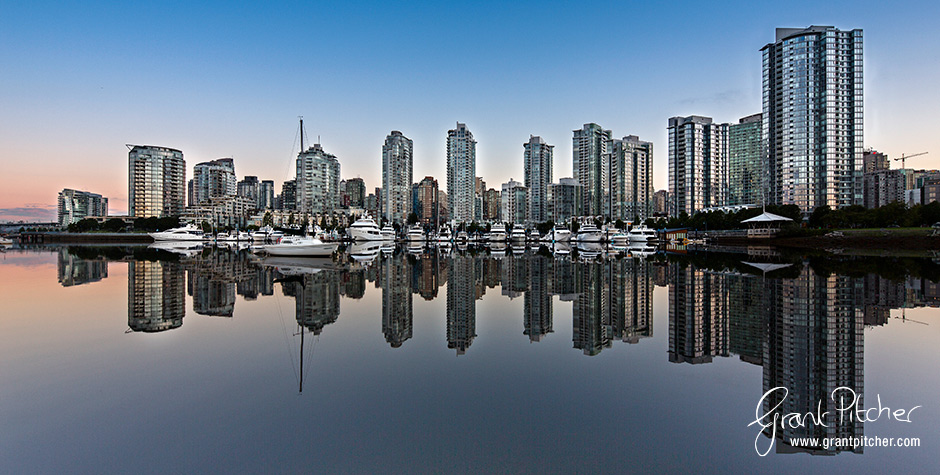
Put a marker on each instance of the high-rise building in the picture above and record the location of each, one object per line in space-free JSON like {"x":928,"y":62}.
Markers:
{"x":289,"y":195}
{"x":513,"y":207}
{"x":318,"y":176}
{"x":537,"y":160}
{"x":565,"y":199}
{"x":813,"y":111}
{"x":589,"y":148}
{"x":249,"y":188}
{"x":461,"y":173}
{"x":75,"y":206}
{"x":661,"y":203}
{"x":356,"y":191}
{"x":491,"y":205}
{"x":745,"y":167}
{"x":266,"y":195}
{"x":630,"y":187}
{"x":213,"y":179}
{"x":873,"y":160}
{"x":156,"y":182}
{"x":883,"y":187}
{"x":425,"y":203}
{"x":698,"y":174}
{"x":397,"y":177}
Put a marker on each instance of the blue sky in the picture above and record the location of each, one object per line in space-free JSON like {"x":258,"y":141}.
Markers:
{"x":218,"y":79}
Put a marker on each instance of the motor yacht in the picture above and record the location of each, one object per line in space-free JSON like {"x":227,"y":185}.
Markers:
{"x":642,"y":234}
{"x":299,"y":246}
{"x":185,"y":233}
{"x":561,"y":234}
{"x":589,"y":233}
{"x":498,"y":233}
{"x":415,"y":234}
{"x":534,"y":235}
{"x":365,"y":229}
{"x":518,"y":233}
{"x":388,"y":233}
{"x":266,"y":233}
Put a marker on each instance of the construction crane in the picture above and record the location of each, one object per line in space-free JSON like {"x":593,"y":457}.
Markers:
{"x":904,"y":158}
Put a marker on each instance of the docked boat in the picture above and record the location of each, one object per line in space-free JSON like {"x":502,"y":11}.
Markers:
{"x":299,"y":246}
{"x":589,"y":233}
{"x":233,"y":237}
{"x":5,"y":241}
{"x":444,"y":236}
{"x":266,"y":233}
{"x":365,"y":229}
{"x":642,"y":234}
{"x":498,"y":233}
{"x":388,"y":233}
{"x":561,"y":235}
{"x":518,"y":233}
{"x":462,"y":236}
{"x":415,"y":234}
{"x":534,"y":235}
{"x":185,"y":233}
{"x":365,"y":252}
{"x":620,"y":239}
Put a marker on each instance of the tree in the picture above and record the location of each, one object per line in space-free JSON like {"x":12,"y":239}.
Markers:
{"x":83,"y":226}
{"x":267,"y":220}
{"x":114,"y":225}
{"x":412,"y":218}
{"x":290,"y":219}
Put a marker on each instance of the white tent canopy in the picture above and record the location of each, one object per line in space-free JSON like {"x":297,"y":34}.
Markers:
{"x":766,"y":217}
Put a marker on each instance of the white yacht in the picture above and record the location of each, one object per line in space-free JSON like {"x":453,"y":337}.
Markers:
{"x":589,"y":233}
{"x":561,"y":234}
{"x":619,"y":238}
{"x":518,"y":233}
{"x":266,"y":233}
{"x":498,"y":233}
{"x":462,"y":236}
{"x":5,"y":241}
{"x":233,"y":237}
{"x":365,"y":229}
{"x":415,"y":234}
{"x":444,"y":236}
{"x":642,"y":233}
{"x":299,"y":246}
{"x":534,"y":235}
{"x":388,"y":233}
{"x":185,"y":233}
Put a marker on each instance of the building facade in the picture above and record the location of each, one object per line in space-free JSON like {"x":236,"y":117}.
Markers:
{"x":156,"y":182}
{"x":356,"y":191}
{"x":213,"y":179}
{"x":588,"y":153}
{"x":873,"y":160}
{"x":565,"y":199}
{"x":537,"y":162}
{"x":397,"y":177}
{"x":266,"y":195}
{"x":317,"y":178}
{"x":697,"y":164}
{"x":813,"y":109}
{"x":514,"y":200}
{"x":425,"y":202}
{"x":461,"y":173}
{"x":745,"y":167}
{"x":491,"y":205}
{"x":75,"y":205}
{"x":630,"y":187}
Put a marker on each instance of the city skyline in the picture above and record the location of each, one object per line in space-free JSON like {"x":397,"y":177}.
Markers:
{"x":216,"y":97}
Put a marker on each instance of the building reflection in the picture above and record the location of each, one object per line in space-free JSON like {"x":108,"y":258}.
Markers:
{"x":613,"y":302}
{"x":215,"y":277}
{"x":155,"y":296}
{"x":74,"y":270}
{"x":397,"y":312}
{"x":461,"y":304}
{"x":537,"y":301}
{"x":698,"y":315}
{"x":316,"y":298}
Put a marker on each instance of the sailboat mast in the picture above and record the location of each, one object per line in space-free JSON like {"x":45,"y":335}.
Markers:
{"x":301,"y":358}
{"x":301,"y":134}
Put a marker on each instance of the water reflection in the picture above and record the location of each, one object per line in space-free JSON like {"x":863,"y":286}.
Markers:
{"x":801,"y":320}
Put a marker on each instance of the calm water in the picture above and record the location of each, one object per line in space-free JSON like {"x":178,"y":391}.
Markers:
{"x":135,"y":359}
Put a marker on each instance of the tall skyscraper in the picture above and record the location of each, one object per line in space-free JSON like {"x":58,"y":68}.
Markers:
{"x":746,"y":182}
{"x":317,"y":181}
{"x":425,"y":204}
{"x":75,"y":206}
{"x":588,"y":150}
{"x":156,"y":181}
{"x":461,"y":173}
{"x":249,"y":188}
{"x":630,"y":190}
{"x":397,"y":177}
{"x":289,"y":195}
{"x":266,"y":194}
{"x":565,"y":199}
{"x":873,"y":160}
{"x":213,"y":179}
{"x":813,"y":113}
{"x":698,"y":173}
{"x":356,"y":190}
{"x":538,"y":175}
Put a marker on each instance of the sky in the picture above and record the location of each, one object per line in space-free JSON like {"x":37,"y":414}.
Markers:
{"x":78,"y":81}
